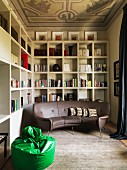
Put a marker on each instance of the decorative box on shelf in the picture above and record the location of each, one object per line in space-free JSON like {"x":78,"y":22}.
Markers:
{"x":97,"y":52}
{"x":41,"y":36}
{"x":91,"y":35}
{"x":73,"y":36}
{"x":67,"y":67}
{"x":57,"y":36}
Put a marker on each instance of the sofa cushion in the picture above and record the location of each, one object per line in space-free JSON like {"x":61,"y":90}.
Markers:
{"x":72,"y":111}
{"x":57,"y":121}
{"x":92,"y":112}
{"x":46,"y":109}
{"x":72,"y":119}
{"x":89,"y":119}
{"x":78,"y":111}
{"x":85,"y":112}
{"x":64,"y":105}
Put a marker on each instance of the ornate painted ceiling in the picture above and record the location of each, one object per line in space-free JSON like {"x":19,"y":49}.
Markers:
{"x":51,"y":13}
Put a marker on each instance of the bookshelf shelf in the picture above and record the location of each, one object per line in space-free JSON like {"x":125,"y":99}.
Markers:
{"x":3,"y":118}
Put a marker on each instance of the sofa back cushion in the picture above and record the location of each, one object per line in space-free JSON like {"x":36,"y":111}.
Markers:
{"x":63,"y":107}
{"x":103,"y":108}
{"x":46,"y":109}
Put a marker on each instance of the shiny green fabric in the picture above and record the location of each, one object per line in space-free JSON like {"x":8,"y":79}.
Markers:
{"x":33,"y":150}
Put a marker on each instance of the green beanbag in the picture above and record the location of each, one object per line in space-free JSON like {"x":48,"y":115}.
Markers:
{"x":33,"y":150}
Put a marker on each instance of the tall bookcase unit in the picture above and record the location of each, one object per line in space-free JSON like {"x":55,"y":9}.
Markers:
{"x":15,"y":71}
{"x":82,"y":74}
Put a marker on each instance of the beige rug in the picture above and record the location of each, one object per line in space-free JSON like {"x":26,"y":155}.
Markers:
{"x":85,"y":150}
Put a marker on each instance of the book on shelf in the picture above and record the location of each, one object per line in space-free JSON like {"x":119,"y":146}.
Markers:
{"x":85,"y":83}
{"x":29,"y":49}
{"x":22,"y":101}
{"x":41,"y":83}
{"x":71,"y":83}
{"x":14,"y":83}
{"x":40,"y":99}
{"x":29,"y":66}
{"x":23,"y":83}
{"x":23,"y":43}
{"x":14,"y":105}
{"x":40,"y":68}
{"x":14,"y":33}
{"x":24,"y":62}
{"x":55,"y":83}
{"x":55,"y":97}
{"x":40,"y":52}
{"x":28,"y":82}
{"x":100,"y":83}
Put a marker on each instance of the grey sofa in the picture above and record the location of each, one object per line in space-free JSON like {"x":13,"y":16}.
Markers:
{"x":52,"y":115}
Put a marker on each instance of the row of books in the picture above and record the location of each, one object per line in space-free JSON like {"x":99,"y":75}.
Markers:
{"x":41,"y":83}
{"x":71,"y":83}
{"x":55,"y":83}
{"x":29,"y":49}
{"x":40,"y":52}
{"x":40,"y":67}
{"x":85,"y":83}
{"x":23,"y":43}
{"x":40,"y":99}
{"x":100,"y":83}
{"x":24,"y":84}
{"x":3,"y":22}
{"x":14,"y":105}
{"x":14,"y":33}
{"x":14,"y":83}
{"x":55,"y":97}
{"x":55,"y":52}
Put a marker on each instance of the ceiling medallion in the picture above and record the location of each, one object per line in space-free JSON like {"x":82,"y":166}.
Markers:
{"x":66,"y":16}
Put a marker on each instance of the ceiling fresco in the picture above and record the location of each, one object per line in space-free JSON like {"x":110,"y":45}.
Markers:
{"x":66,"y":12}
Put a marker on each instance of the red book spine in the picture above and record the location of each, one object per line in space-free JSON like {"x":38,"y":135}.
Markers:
{"x":25,"y":59}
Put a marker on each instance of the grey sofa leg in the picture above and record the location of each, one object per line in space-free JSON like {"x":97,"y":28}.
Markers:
{"x":73,"y":130}
{"x":100,"y":133}
{"x":48,"y":133}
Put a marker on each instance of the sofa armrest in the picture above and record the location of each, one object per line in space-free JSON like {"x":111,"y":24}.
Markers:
{"x":102,"y":121}
{"x":44,"y":123}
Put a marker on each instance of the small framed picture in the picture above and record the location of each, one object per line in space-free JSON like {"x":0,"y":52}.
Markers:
{"x":116,"y":70}
{"x":116,"y":88}
{"x":41,"y":36}
{"x":57,"y":36}
{"x":91,"y":35}
{"x":73,"y":36}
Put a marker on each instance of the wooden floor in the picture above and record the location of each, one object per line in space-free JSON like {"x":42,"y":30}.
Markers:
{"x":113,"y":128}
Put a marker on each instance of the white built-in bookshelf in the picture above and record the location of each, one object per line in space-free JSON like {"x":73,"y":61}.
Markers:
{"x":27,"y":69}
{"x":16,"y":78}
{"x":83,"y":71}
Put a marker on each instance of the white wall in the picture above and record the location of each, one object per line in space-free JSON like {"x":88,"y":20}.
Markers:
{"x":113,"y":33}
